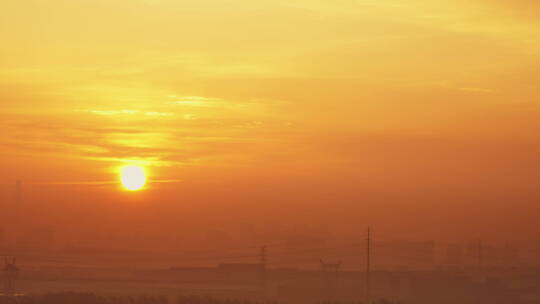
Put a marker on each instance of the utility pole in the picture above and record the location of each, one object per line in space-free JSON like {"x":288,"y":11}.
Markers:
{"x":368,"y":267}
{"x":262,"y":261}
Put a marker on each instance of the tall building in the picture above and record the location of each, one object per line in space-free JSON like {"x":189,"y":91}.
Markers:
{"x":406,"y":254}
{"x":2,"y":237}
{"x":454,"y":255}
{"x":510,"y":256}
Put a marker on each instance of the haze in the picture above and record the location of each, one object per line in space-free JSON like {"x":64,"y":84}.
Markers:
{"x":268,"y":121}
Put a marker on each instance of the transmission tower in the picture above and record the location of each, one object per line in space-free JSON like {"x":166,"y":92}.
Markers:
{"x":262,"y":261}
{"x":330,"y":272}
{"x":11,"y":272}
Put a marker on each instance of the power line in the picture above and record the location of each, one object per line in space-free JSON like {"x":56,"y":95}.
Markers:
{"x":221,"y":258}
{"x":318,"y":249}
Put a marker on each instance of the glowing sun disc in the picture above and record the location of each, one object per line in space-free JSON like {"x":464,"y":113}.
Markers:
{"x":132,"y":177}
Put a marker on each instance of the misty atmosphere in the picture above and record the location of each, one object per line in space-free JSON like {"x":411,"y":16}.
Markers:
{"x":269,"y":151}
{"x":94,"y":255}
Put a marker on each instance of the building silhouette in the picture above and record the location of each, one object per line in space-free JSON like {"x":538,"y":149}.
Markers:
{"x":18,"y":192}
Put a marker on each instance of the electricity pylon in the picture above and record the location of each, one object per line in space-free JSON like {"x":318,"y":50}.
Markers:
{"x":11,"y":272}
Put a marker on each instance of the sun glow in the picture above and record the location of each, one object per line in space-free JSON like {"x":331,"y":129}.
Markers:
{"x":132,"y":177}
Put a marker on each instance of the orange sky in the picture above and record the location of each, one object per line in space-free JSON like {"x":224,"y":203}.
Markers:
{"x":390,"y":110}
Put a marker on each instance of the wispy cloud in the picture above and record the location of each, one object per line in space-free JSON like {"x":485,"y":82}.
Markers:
{"x":128,"y":112}
{"x":99,"y":183}
{"x":476,"y":90}
{"x":197,"y":101}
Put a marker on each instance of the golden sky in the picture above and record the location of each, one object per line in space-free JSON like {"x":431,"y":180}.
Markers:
{"x":385,"y":95}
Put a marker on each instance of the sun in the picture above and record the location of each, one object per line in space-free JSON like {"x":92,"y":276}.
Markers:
{"x":132,"y":177}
